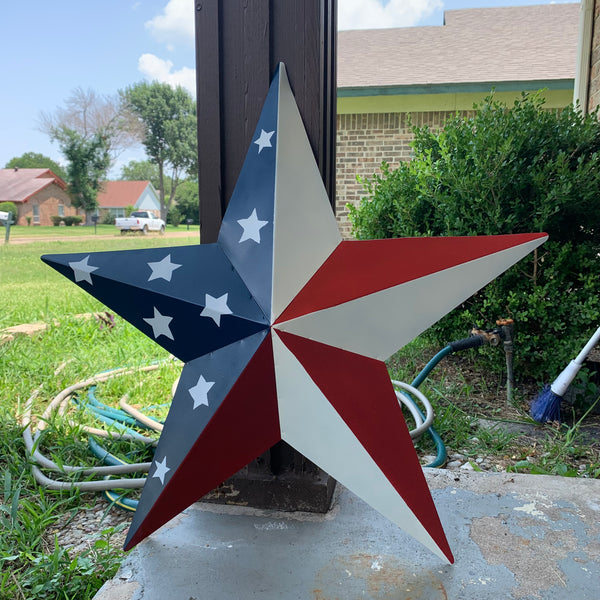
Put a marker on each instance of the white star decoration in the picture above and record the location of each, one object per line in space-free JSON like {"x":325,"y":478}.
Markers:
{"x":160,"y":324}
{"x":161,"y":470}
{"x":82,"y":271}
{"x":162,"y":269}
{"x":251,"y":226}
{"x":215,"y":307}
{"x":264,"y":140}
{"x":200,"y":392}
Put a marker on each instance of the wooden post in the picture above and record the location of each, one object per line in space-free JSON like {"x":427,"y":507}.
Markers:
{"x":239,"y":44}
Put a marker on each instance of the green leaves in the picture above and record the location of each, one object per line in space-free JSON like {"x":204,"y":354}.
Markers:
{"x":505,"y":170}
{"x":88,"y":163}
{"x":168,"y":119}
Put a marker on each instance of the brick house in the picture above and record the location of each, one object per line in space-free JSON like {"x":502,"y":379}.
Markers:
{"x":116,"y":196}
{"x":38,"y":194}
{"x":388,"y":78}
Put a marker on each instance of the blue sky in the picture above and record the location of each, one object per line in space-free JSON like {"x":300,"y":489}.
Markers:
{"x":50,"y":48}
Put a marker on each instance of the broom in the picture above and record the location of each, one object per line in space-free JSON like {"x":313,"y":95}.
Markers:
{"x":546,"y":407}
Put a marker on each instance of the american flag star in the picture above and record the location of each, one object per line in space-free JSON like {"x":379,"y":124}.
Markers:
{"x":299,"y":357}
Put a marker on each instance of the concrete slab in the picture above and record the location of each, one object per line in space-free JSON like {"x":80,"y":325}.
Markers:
{"x":513,"y":536}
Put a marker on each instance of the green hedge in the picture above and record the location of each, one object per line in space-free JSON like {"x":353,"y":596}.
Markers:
{"x":9,"y":207}
{"x":507,"y":170}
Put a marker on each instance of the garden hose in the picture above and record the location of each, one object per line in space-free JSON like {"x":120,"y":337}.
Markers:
{"x":122,"y":419}
{"x":32,"y":439}
{"x":473,"y":341}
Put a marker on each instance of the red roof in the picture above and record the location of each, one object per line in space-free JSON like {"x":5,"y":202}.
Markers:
{"x":119,"y":194}
{"x":18,"y":185}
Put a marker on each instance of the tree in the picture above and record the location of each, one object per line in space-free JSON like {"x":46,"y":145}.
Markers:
{"x":140,"y":170}
{"x":508,"y":170}
{"x":88,"y":113}
{"x":88,"y":162}
{"x":168,"y":118}
{"x":188,"y":202}
{"x":35,"y":160}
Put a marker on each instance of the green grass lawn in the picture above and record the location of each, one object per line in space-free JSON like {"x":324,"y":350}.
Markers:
{"x":32,"y":566}
{"x":22,"y":231}
{"x":31,"y":291}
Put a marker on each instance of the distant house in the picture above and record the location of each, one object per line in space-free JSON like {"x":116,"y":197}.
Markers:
{"x":38,"y":194}
{"x":391,"y":79}
{"x":116,"y":196}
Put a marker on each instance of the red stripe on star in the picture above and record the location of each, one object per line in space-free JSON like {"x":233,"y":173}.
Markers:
{"x":357,"y":268}
{"x":245,"y":425}
{"x":360,"y":390}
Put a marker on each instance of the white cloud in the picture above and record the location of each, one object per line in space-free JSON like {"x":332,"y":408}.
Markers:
{"x":373,"y":14}
{"x":155,"y":68}
{"x":175,"y":23}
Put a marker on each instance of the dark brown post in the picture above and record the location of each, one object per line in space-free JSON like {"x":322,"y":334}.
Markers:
{"x":239,"y":44}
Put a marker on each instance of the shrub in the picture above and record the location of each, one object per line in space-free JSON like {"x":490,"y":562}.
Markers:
{"x":74,"y":220}
{"x":174,"y":217}
{"x":56,"y":220}
{"x":507,"y":170}
{"x":9,"y":207}
{"x":108,"y":218}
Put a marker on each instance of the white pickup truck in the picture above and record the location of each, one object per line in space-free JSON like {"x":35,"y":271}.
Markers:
{"x":140,"y":220}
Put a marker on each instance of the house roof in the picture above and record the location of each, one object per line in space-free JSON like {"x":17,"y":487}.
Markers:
{"x":119,"y":194}
{"x":480,"y":45}
{"x":18,"y":185}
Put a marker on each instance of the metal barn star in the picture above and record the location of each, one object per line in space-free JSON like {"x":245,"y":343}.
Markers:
{"x":283,"y":328}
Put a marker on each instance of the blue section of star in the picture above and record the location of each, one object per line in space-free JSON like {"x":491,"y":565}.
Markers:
{"x":255,"y":191}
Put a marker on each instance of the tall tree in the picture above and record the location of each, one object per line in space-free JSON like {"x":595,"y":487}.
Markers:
{"x":87,"y":113}
{"x":35,"y":160}
{"x":168,"y":117}
{"x":88,"y":162}
{"x":140,"y":170}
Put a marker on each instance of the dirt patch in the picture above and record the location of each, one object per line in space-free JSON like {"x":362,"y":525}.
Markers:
{"x":76,"y":238}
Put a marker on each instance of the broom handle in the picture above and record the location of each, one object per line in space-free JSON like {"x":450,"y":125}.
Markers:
{"x":588,"y":347}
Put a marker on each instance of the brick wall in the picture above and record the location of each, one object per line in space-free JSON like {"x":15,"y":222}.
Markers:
{"x":48,"y":201}
{"x":594,"y":83}
{"x":364,"y":141}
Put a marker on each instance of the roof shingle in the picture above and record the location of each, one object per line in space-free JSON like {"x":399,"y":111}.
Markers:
{"x":18,"y":185}
{"x":517,"y":43}
{"x":119,"y":194}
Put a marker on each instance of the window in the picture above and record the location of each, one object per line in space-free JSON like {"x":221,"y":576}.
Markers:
{"x":61,"y":210}
{"x":36,"y":213}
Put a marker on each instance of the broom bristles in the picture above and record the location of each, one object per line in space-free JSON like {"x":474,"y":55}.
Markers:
{"x":546,"y":407}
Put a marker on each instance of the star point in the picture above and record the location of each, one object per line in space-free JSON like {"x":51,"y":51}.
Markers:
{"x":215,"y":308}
{"x":264,"y":140}
{"x":82,"y":270}
{"x":162,"y":269}
{"x":251,"y":228}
